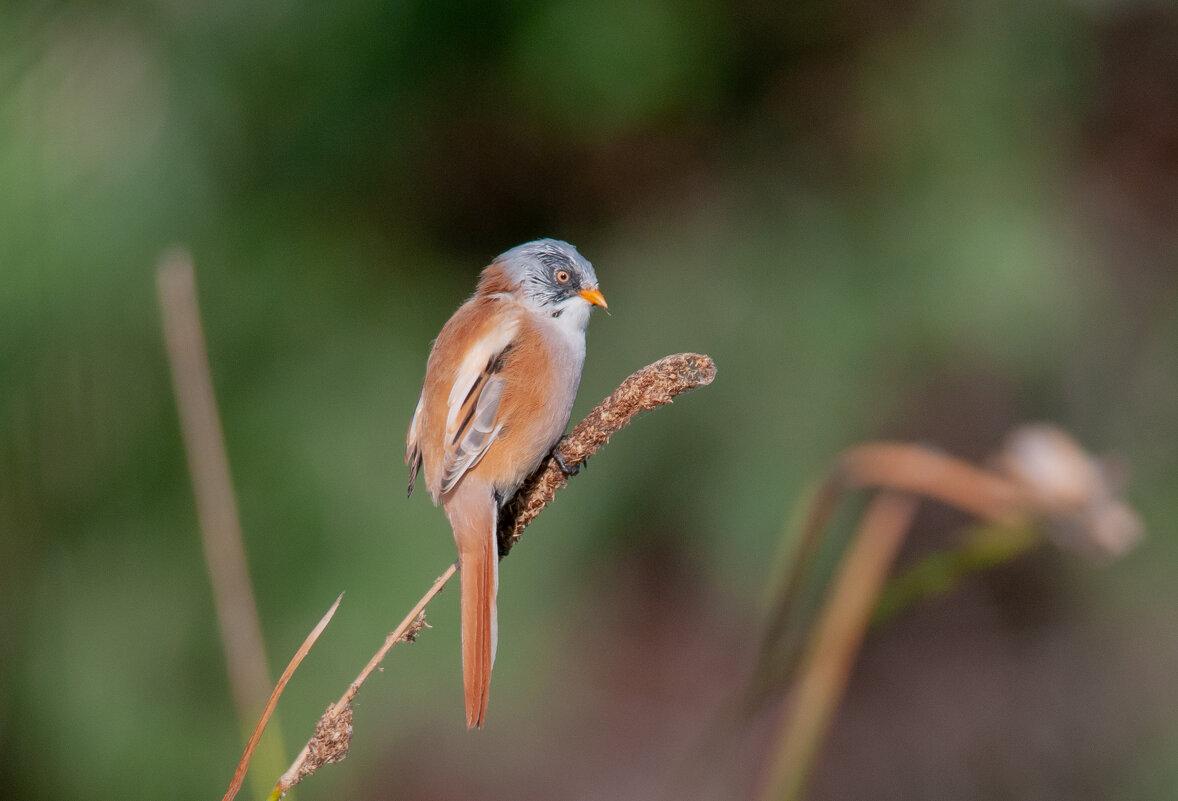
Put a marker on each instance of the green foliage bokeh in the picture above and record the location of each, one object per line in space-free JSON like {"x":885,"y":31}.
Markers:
{"x":866,"y":215}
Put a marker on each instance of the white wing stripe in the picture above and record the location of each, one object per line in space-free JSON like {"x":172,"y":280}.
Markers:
{"x":473,"y":364}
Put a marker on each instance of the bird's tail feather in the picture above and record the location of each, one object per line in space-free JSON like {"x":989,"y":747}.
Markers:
{"x":473,"y":515}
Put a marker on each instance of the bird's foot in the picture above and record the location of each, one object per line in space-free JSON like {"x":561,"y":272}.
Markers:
{"x":566,"y":468}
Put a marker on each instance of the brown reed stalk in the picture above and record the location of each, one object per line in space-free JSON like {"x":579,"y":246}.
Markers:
{"x":333,"y":732}
{"x":208,"y":464}
{"x":1042,"y":480}
{"x":836,"y":639}
{"x":272,"y":703}
{"x":653,"y":386}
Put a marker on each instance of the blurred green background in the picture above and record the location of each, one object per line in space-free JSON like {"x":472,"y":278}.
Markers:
{"x":928,"y":220}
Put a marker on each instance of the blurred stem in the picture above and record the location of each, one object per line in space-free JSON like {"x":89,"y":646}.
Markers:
{"x":655,"y":385}
{"x":885,"y":465}
{"x":984,"y":547}
{"x":786,"y":624}
{"x":216,"y":506}
{"x":832,"y":648}
{"x":1030,"y":489}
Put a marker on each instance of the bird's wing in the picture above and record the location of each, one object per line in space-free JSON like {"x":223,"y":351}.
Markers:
{"x":472,"y":408}
{"x":413,"y":444}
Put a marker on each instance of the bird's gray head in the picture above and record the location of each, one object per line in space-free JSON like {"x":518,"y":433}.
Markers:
{"x":553,"y":277}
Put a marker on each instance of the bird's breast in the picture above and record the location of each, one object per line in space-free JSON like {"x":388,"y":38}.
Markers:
{"x":541,"y":375}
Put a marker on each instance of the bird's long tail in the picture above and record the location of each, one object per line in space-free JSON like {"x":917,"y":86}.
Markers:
{"x":473,"y":515}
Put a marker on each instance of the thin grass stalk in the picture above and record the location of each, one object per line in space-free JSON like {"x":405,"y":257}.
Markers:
{"x":835,"y":642}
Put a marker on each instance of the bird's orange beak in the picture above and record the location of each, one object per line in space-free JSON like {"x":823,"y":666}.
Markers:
{"x":594,"y":296}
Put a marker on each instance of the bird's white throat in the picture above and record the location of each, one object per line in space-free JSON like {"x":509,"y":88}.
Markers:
{"x":574,"y":315}
{"x":570,"y":324}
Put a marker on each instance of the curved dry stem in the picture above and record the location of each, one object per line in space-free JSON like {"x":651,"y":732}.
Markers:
{"x":333,"y":732}
{"x":901,"y":467}
{"x":904,"y":473}
{"x":295,"y":661}
{"x":1045,"y":478}
{"x":653,"y":386}
{"x":836,"y":639}
{"x":935,"y":475}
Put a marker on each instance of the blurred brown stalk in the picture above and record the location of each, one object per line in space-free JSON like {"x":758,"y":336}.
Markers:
{"x":1042,"y":481}
{"x":216,"y":506}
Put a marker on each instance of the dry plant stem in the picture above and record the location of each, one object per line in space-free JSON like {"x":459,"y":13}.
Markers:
{"x":832,"y":649}
{"x":902,"y":471}
{"x":338,"y":715}
{"x":935,"y":475}
{"x":204,"y":444}
{"x":897,"y":466}
{"x":1047,"y":479}
{"x":653,"y":386}
{"x":296,"y":660}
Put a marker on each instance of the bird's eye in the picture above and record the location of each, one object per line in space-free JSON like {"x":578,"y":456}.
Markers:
{"x":562,"y":276}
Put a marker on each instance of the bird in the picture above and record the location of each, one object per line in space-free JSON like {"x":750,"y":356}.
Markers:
{"x":498,"y":393}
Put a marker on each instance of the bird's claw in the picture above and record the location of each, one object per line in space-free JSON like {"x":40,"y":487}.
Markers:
{"x":563,"y":465}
